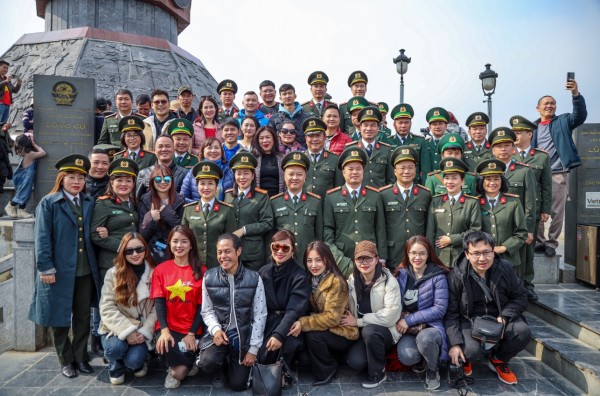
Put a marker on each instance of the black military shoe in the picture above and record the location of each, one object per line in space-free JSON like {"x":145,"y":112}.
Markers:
{"x":550,"y":252}
{"x":531,"y":295}
{"x":84,"y":367}
{"x":540,"y":249}
{"x":96,"y":346}
{"x":69,"y":370}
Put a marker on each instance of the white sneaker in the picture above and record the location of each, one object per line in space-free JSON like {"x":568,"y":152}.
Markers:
{"x":10,"y":210}
{"x":142,"y":372}
{"x":170,"y":382}
{"x":22,"y":214}
{"x":193,"y":371}
{"x":118,"y":380}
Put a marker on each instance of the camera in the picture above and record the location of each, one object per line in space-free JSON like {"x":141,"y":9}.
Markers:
{"x":460,"y":369}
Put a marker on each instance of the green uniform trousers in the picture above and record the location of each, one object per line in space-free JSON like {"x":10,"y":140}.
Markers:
{"x":75,"y":350}
{"x":528,"y":273}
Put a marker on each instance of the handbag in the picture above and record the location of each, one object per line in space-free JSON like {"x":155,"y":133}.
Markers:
{"x":416,"y":329}
{"x":486,"y":328}
{"x":267,"y":378}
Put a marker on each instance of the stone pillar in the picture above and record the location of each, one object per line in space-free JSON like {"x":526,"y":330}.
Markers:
{"x":29,"y":335}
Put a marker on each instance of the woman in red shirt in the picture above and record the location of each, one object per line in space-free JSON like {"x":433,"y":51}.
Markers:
{"x":207,"y":124}
{"x":177,"y":290}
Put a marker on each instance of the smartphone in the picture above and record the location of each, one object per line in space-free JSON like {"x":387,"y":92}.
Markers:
{"x":570,"y":76}
{"x":182,"y":347}
{"x":16,"y":76}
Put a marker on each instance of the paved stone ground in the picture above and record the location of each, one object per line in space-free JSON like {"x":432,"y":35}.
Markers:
{"x":38,"y":373}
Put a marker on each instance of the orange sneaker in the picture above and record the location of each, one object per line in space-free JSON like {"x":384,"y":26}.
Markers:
{"x":504,"y":373}
{"x":468,"y":368}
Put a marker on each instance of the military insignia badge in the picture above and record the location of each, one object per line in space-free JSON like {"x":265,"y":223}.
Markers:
{"x":492,"y":166}
{"x":205,"y":168}
{"x":319,"y":75}
{"x":124,"y":164}
{"x":131,"y":122}
{"x":452,"y":139}
{"x":436,"y":113}
{"x":405,"y":151}
{"x":449,"y":163}
{"x":355,"y":102}
{"x":79,"y":162}
{"x":381,"y":106}
{"x":501,"y":133}
{"x":181,"y":124}
{"x":357,"y":75}
{"x":228,"y":85}
{"x":403,"y":109}
{"x":354,"y":153}
{"x":369,"y":112}
{"x":63,"y":93}
{"x":478,"y":117}
{"x":312,"y":123}
{"x":296,"y":156}
{"x":244,"y":159}
{"x":516,"y":121}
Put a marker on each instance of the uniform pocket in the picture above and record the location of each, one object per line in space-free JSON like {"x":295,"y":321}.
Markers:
{"x":341,"y":214}
{"x":253,"y":247}
{"x":309,"y":218}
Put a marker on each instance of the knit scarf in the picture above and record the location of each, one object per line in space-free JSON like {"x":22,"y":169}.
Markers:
{"x":316,"y":280}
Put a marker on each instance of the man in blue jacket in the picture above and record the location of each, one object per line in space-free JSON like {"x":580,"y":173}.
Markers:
{"x":250,"y":103}
{"x":554,"y":134}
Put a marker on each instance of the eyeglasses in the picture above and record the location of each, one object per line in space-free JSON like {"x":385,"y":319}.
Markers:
{"x":417,"y":254}
{"x":286,"y":131}
{"x":165,"y":180}
{"x":487,"y":253}
{"x":131,"y":135}
{"x":406,"y":169}
{"x":364,"y":260}
{"x":139,"y":249}
{"x":160,"y":102}
{"x":275,"y":247}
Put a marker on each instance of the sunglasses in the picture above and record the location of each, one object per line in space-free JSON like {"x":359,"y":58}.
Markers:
{"x":286,"y":131}
{"x":165,"y":180}
{"x":277,"y":247}
{"x":160,"y":102}
{"x":139,"y":249}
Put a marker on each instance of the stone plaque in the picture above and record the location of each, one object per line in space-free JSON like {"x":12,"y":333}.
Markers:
{"x":588,"y":146}
{"x":64,"y":123}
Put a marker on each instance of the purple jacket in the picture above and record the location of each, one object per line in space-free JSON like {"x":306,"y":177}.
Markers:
{"x":432,"y":304}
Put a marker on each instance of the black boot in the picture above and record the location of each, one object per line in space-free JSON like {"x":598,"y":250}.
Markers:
{"x":96,"y":346}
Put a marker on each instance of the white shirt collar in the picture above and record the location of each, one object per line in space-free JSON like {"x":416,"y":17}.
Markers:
{"x":310,"y":154}
{"x":121,"y":115}
{"x":497,"y":198}
{"x":299,"y":195}
{"x":210,"y":203}
{"x":350,"y":190}
{"x":402,"y":188}
{"x":526,"y":150}
{"x":322,"y":102}
{"x":456,"y":197}
{"x":246,"y":191}
{"x":137,"y":152}
{"x":71,"y":197}
{"x":365,"y":144}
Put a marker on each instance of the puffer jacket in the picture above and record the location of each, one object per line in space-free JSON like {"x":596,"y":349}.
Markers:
{"x":119,"y":321}
{"x":338,"y":142}
{"x":189,"y":188}
{"x":297,"y":118}
{"x":329,"y":303}
{"x":200,"y":134}
{"x":432,"y":303}
{"x":386,"y":303}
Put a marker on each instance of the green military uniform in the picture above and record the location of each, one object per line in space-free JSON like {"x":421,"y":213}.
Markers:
{"x":378,"y":171}
{"x":301,"y":214}
{"x":473,"y":154}
{"x":385,"y":132}
{"x":347,"y":222}
{"x":403,"y":218}
{"x":187,"y":161}
{"x":435,"y":114}
{"x":109,"y":148}
{"x":454,"y":220}
{"x":435,"y":179}
{"x":224,"y":86}
{"x":355,"y":103}
{"x":345,"y":118}
{"x":117,"y":216}
{"x":182,"y":126}
{"x":208,"y":224}
{"x":502,"y":217}
{"x":142,"y":158}
{"x":539,"y":160}
{"x":252,"y":212}
{"x":324,"y":174}
{"x":111,"y":134}
{"x":311,"y":107}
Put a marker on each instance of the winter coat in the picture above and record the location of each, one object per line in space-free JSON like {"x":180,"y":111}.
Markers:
{"x":262,"y":120}
{"x":386,"y":303}
{"x":505,"y":286}
{"x":329,"y":303}
{"x":288,"y":296}
{"x":297,"y":118}
{"x":120,"y":321}
{"x":282,"y":148}
{"x":96,"y":187}
{"x":432,"y":303}
{"x":279,"y":156}
{"x":143,"y":179}
{"x":200,"y":135}
{"x":151,"y":230}
{"x":561,"y":130}
{"x":150,"y":132}
{"x":56,"y":236}
{"x":339,"y":141}
{"x":189,"y":188}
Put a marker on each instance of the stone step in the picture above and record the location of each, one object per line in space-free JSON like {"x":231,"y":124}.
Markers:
{"x":573,"y":359}
{"x":567,"y":273}
{"x":546,"y":269}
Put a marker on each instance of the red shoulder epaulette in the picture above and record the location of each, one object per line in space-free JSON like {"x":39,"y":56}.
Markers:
{"x":260,"y":190}
{"x":314,"y":195}
{"x":423,"y":187}
{"x":228,"y":191}
{"x":120,"y":152}
{"x":385,"y":144}
{"x":470,"y":196}
{"x":191,"y":203}
{"x":102,"y":198}
{"x":307,"y":102}
{"x":333,"y":190}
{"x":521,"y":163}
{"x":373,"y":188}
{"x":276,"y":196}
{"x":385,"y":187}
{"x":511,"y":195}
{"x":225,"y":203}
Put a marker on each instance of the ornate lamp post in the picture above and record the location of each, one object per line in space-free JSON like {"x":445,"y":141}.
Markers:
{"x":488,"y":85}
{"x":401,"y":62}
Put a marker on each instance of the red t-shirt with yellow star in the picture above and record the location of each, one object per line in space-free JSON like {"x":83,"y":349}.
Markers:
{"x":183,"y":294}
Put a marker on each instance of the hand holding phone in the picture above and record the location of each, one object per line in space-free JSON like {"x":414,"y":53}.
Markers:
{"x":570,"y":76}
{"x":571,"y":84}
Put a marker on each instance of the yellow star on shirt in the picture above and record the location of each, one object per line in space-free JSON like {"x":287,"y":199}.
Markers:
{"x":178,"y":290}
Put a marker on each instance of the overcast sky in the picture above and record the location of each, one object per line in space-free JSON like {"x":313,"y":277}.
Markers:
{"x":530,"y":44}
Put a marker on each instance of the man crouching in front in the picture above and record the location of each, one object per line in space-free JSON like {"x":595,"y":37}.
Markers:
{"x":482,"y":284}
{"x":234,"y":331}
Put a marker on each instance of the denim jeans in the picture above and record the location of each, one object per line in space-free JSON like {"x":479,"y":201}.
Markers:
{"x":121,"y":355}
{"x":4,"y":112}
{"x":95,"y":321}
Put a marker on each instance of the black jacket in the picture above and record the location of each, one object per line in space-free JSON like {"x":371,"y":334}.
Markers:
{"x":152,"y":231}
{"x":287,"y":289}
{"x":6,"y":171}
{"x":505,"y":286}
{"x":96,"y":187}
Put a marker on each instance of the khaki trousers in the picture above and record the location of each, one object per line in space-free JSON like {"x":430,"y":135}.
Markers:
{"x":560,"y":184}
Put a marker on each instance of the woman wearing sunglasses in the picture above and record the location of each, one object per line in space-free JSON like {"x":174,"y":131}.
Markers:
{"x":207,"y":124}
{"x":249,"y":127}
{"x":375,"y":307}
{"x":287,"y":138}
{"x":287,"y":290}
{"x":127,"y":311}
{"x":177,"y":292}
{"x":328,"y":302}
{"x":268,"y":176}
{"x":424,"y":292}
{"x":252,"y":209}
{"x":208,"y":217}
{"x":160,"y":210}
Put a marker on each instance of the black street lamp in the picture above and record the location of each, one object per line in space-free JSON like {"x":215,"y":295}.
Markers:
{"x":401,"y":62}
{"x":488,"y":85}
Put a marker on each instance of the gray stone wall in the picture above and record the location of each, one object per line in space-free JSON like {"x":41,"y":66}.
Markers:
{"x":127,"y":16}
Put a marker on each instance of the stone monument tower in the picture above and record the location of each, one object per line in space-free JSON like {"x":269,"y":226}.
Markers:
{"x":120,"y":43}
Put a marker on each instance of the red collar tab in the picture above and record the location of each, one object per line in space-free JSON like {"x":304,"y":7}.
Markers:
{"x":197,"y":208}
{"x":311,"y":104}
{"x":416,"y":190}
{"x":515,"y":151}
{"x":118,"y":200}
{"x":445,"y":198}
{"x":531,"y":152}
{"x":220,"y":109}
{"x":377,"y":146}
{"x":125,"y":154}
{"x":469,"y":145}
{"x":216,"y":208}
{"x":344,"y":192}
{"x":325,"y":154}
{"x":360,"y":145}
{"x":503,"y":200}
{"x":482,"y":201}
{"x":487,"y":145}
{"x":396,"y":190}
{"x":141,"y":154}
{"x":512,"y":167}
{"x":250,"y":194}
{"x":462,"y":199}
{"x":234,"y":111}
{"x":325,"y":104}
{"x":286,"y":197}
{"x":363,"y":191}
{"x":303,"y":197}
